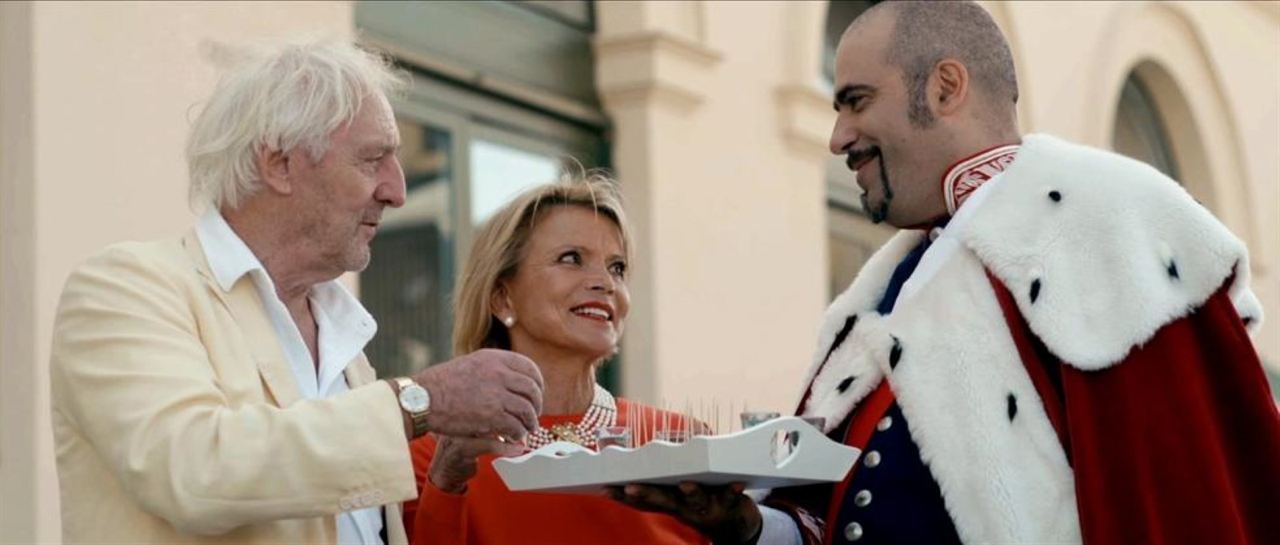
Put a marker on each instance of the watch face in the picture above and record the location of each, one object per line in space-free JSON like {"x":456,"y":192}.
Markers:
{"x":414,"y":399}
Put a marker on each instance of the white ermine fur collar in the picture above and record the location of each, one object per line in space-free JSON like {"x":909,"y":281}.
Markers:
{"x":1118,"y":250}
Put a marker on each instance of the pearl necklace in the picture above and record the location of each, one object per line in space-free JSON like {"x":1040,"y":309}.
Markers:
{"x":603,"y":412}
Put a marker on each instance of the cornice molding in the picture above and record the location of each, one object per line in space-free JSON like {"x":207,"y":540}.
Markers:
{"x":805,"y":117}
{"x":654,"y":66}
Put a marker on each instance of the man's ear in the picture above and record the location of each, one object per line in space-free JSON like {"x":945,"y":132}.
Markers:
{"x":274,"y":168}
{"x":949,"y":87}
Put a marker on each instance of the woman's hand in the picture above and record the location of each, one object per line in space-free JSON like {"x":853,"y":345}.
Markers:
{"x":722,"y":513}
{"x":455,"y":460}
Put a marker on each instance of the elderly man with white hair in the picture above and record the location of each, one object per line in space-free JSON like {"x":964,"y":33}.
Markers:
{"x":212,"y":388}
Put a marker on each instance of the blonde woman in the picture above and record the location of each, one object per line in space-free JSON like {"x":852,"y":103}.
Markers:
{"x":546,"y":278}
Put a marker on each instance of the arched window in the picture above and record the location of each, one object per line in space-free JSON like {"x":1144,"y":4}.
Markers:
{"x":1139,"y":131}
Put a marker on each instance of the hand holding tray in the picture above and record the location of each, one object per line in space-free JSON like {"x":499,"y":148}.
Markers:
{"x":746,"y":456}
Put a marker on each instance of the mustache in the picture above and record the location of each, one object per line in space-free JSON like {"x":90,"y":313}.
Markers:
{"x":860,"y":155}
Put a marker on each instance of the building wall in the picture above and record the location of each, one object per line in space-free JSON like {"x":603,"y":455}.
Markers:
{"x":720,"y":120}
{"x":94,"y":123}
{"x":728,"y":202}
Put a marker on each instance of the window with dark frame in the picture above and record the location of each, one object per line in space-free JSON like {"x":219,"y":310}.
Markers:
{"x":502,"y":98}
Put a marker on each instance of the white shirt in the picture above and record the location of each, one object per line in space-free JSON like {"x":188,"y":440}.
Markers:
{"x":344,"y":328}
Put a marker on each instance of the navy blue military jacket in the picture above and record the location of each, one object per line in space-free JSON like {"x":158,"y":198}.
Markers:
{"x":892,"y":499}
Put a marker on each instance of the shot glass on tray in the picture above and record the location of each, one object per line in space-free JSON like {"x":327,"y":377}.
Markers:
{"x":613,"y":436}
{"x":753,"y":418}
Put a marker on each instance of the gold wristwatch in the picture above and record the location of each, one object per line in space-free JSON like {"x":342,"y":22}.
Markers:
{"x":416,"y":402}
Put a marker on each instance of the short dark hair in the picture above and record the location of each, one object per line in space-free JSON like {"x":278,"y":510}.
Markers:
{"x":925,"y":33}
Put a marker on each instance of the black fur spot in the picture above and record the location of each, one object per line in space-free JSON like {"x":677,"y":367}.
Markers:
{"x":1035,"y":290}
{"x":1173,"y":270}
{"x":841,"y":335}
{"x":844,"y":384}
{"x":1013,"y":406}
{"x":895,"y":353}
{"x":1055,"y":196}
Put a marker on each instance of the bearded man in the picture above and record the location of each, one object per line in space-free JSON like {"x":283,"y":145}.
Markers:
{"x":1053,"y":349}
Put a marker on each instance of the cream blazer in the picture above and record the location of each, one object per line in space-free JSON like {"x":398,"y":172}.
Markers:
{"x":176,"y":417}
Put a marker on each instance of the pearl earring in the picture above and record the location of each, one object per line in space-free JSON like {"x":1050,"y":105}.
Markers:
{"x":509,"y":321}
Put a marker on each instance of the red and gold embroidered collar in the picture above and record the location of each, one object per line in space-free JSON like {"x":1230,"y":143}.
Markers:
{"x":967,"y":175}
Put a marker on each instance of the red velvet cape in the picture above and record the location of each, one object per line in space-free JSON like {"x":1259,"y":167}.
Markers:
{"x":1177,"y":443}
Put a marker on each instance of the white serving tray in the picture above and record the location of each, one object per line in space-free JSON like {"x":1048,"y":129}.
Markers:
{"x":746,"y":456}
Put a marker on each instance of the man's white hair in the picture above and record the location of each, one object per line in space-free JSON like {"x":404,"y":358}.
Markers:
{"x":283,"y":97}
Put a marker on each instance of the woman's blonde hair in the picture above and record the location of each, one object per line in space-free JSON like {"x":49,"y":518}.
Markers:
{"x":500,"y":246}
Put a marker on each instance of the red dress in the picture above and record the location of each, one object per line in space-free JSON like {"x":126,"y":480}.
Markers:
{"x":488,"y":513}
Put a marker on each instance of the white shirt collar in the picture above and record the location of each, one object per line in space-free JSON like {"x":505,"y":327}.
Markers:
{"x":344,"y":324}
{"x":229,"y":257}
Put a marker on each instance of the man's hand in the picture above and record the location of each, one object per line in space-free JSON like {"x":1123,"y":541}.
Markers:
{"x":487,"y":393}
{"x":455,"y":460}
{"x":722,"y":513}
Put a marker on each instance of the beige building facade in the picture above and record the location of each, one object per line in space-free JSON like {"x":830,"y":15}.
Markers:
{"x":714,"y":115}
